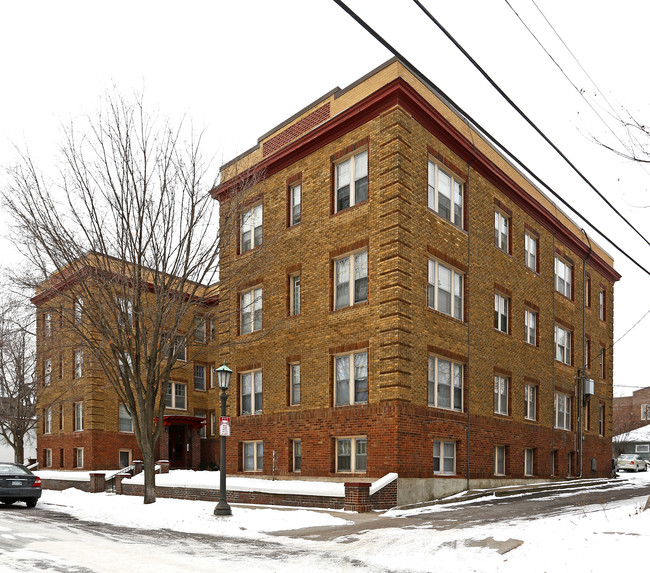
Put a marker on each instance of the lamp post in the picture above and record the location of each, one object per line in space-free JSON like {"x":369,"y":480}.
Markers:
{"x":223,"y":378}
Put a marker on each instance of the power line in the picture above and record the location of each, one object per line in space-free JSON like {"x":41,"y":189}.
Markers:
{"x":526,"y":118}
{"x":483,"y":131}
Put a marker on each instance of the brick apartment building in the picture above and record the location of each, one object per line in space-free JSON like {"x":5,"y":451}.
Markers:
{"x":401,"y":299}
{"x":631,"y":412}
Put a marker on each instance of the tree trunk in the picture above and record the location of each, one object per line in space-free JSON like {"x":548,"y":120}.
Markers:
{"x":19,"y":453}
{"x":149,"y":467}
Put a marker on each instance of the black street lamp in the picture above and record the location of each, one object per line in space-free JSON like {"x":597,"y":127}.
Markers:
{"x":223,"y":378}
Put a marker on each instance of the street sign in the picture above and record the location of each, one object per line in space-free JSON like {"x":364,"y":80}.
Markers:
{"x":224,"y":426}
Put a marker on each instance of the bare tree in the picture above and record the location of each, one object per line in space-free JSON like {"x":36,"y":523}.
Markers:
{"x":127,"y":237}
{"x":17,"y":374}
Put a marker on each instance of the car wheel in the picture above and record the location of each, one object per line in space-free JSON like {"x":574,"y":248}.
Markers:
{"x":636,"y":469}
{"x":31,"y":502}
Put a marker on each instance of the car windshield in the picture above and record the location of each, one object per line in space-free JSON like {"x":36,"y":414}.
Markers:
{"x":13,"y":469}
{"x":626,"y":456}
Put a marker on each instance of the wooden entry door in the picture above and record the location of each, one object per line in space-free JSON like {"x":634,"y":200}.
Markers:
{"x":177,"y":447}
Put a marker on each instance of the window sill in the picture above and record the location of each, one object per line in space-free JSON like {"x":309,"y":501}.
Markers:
{"x":507,"y":253}
{"x":447,"y":221}
{"x":350,"y":208}
{"x":445,"y":409}
{"x":447,"y":316}
{"x":249,"y":333}
{"x":344,"y":308}
{"x":563,"y":296}
{"x":503,"y":333}
{"x":443,"y":475}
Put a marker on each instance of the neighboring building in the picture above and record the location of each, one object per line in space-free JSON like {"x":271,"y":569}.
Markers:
{"x":631,"y":412}
{"x":635,"y":441}
{"x":401,"y":299}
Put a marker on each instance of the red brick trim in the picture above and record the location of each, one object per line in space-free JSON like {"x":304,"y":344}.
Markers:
{"x":503,"y":207}
{"x":503,"y":372}
{"x":346,"y":348}
{"x":565,"y":324}
{"x":503,"y":290}
{"x":250,"y":284}
{"x":438,"y":351}
{"x":531,"y":230}
{"x":294,"y":131}
{"x":444,"y":257}
{"x":531,"y":305}
{"x":440,"y":158}
{"x":293,"y":269}
{"x":335,"y":253}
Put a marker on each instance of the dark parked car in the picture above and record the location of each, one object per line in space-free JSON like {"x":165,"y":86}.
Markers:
{"x":17,"y":483}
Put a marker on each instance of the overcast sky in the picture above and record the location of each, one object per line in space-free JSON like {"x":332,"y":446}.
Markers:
{"x":239,"y":68}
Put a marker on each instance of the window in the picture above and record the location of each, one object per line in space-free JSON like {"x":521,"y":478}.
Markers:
{"x":125,"y":458}
{"x":351,"y":455}
{"x":530,"y":327}
{"x":645,"y":411}
{"x":179,"y":348}
{"x":502,"y":231}
{"x":562,"y":344}
{"x":296,"y":205}
{"x":47,"y":457}
{"x":78,"y":310}
{"x":602,"y":362}
{"x":562,"y":411}
{"x":500,"y":395}
{"x":213,"y":424}
{"x":124,"y":312}
{"x":202,"y":429}
{"x":601,"y":421}
{"x":78,"y":408}
{"x":444,"y":457}
{"x":60,"y":366}
{"x":530,"y":402}
{"x":499,"y":460}
{"x":125,"y":367}
{"x":61,"y":420}
{"x":78,"y":457}
{"x":253,"y":456}
{"x":530,"y":249}
{"x":588,"y":353}
{"x":563,"y":277}
{"x":601,"y":304}
{"x":294,"y":294}
{"x":251,"y":392}
{"x":501,"y":307}
{"x":251,"y":310}
{"x":47,"y":421}
{"x":445,"y":292}
{"x":529,"y":459}
{"x":61,"y":457}
{"x":297,"y":456}
{"x":443,"y":189}
{"x":351,"y":379}
{"x":251,"y":229}
{"x":200,"y":330}
{"x":588,"y":292}
{"x":47,"y":325}
{"x":642,"y":448}
{"x":294,"y":383}
{"x":445,"y":384}
{"x":176,"y":396}
{"x":199,"y":377}
{"x":78,"y":363}
{"x":47,"y":372}
{"x":351,"y":181}
{"x":351,"y":279}
{"x":125,"y":422}
{"x":586,"y":416}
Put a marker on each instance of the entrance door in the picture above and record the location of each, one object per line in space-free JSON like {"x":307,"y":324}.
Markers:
{"x":177,"y":446}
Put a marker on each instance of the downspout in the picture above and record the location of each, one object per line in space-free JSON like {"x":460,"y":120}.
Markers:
{"x":555,"y":470}
{"x":583,"y":375}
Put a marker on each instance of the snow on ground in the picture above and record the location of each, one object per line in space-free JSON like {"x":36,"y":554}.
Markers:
{"x":588,"y":538}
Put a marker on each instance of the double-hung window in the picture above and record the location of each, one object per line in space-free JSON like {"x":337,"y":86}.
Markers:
{"x":78,"y":310}
{"x":351,"y":279}
{"x":200,"y":372}
{"x":529,"y":461}
{"x":78,"y":457}
{"x":530,"y":249}
{"x":445,"y":195}
{"x":530,"y":402}
{"x":562,"y":344}
{"x":176,"y":396}
{"x":78,"y":363}
{"x":501,"y":231}
{"x":351,"y":183}
{"x":251,"y":392}
{"x":295,"y":205}
{"x":47,"y":421}
{"x":501,"y":312}
{"x":499,"y":460}
{"x":563,"y":272}
{"x":501,"y":395}
{"x":530,"y":327}
{"x":125,"y":422}
{"x":351,"y":379}
{"x":47,"y":324}
{"x":78,"y":416}
{"x":444,"y":457}
{"x":601,"y":420}
{"x":445,"y":384}
{"x":251,"y":310}
{"x":251,"y":228}
{"x":294,"y":294}
{"x":47,"y":372}
{"x":253,"y":456}
{"x":124,"y":312}
{"x":351,"y":455}
{"x":294,"y":383}
{"x":562,"y":411}
{"x":297,"y":456}
{"x":601,"y":304}
{"x":445,"y":290}
{"x":200,"y":329}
